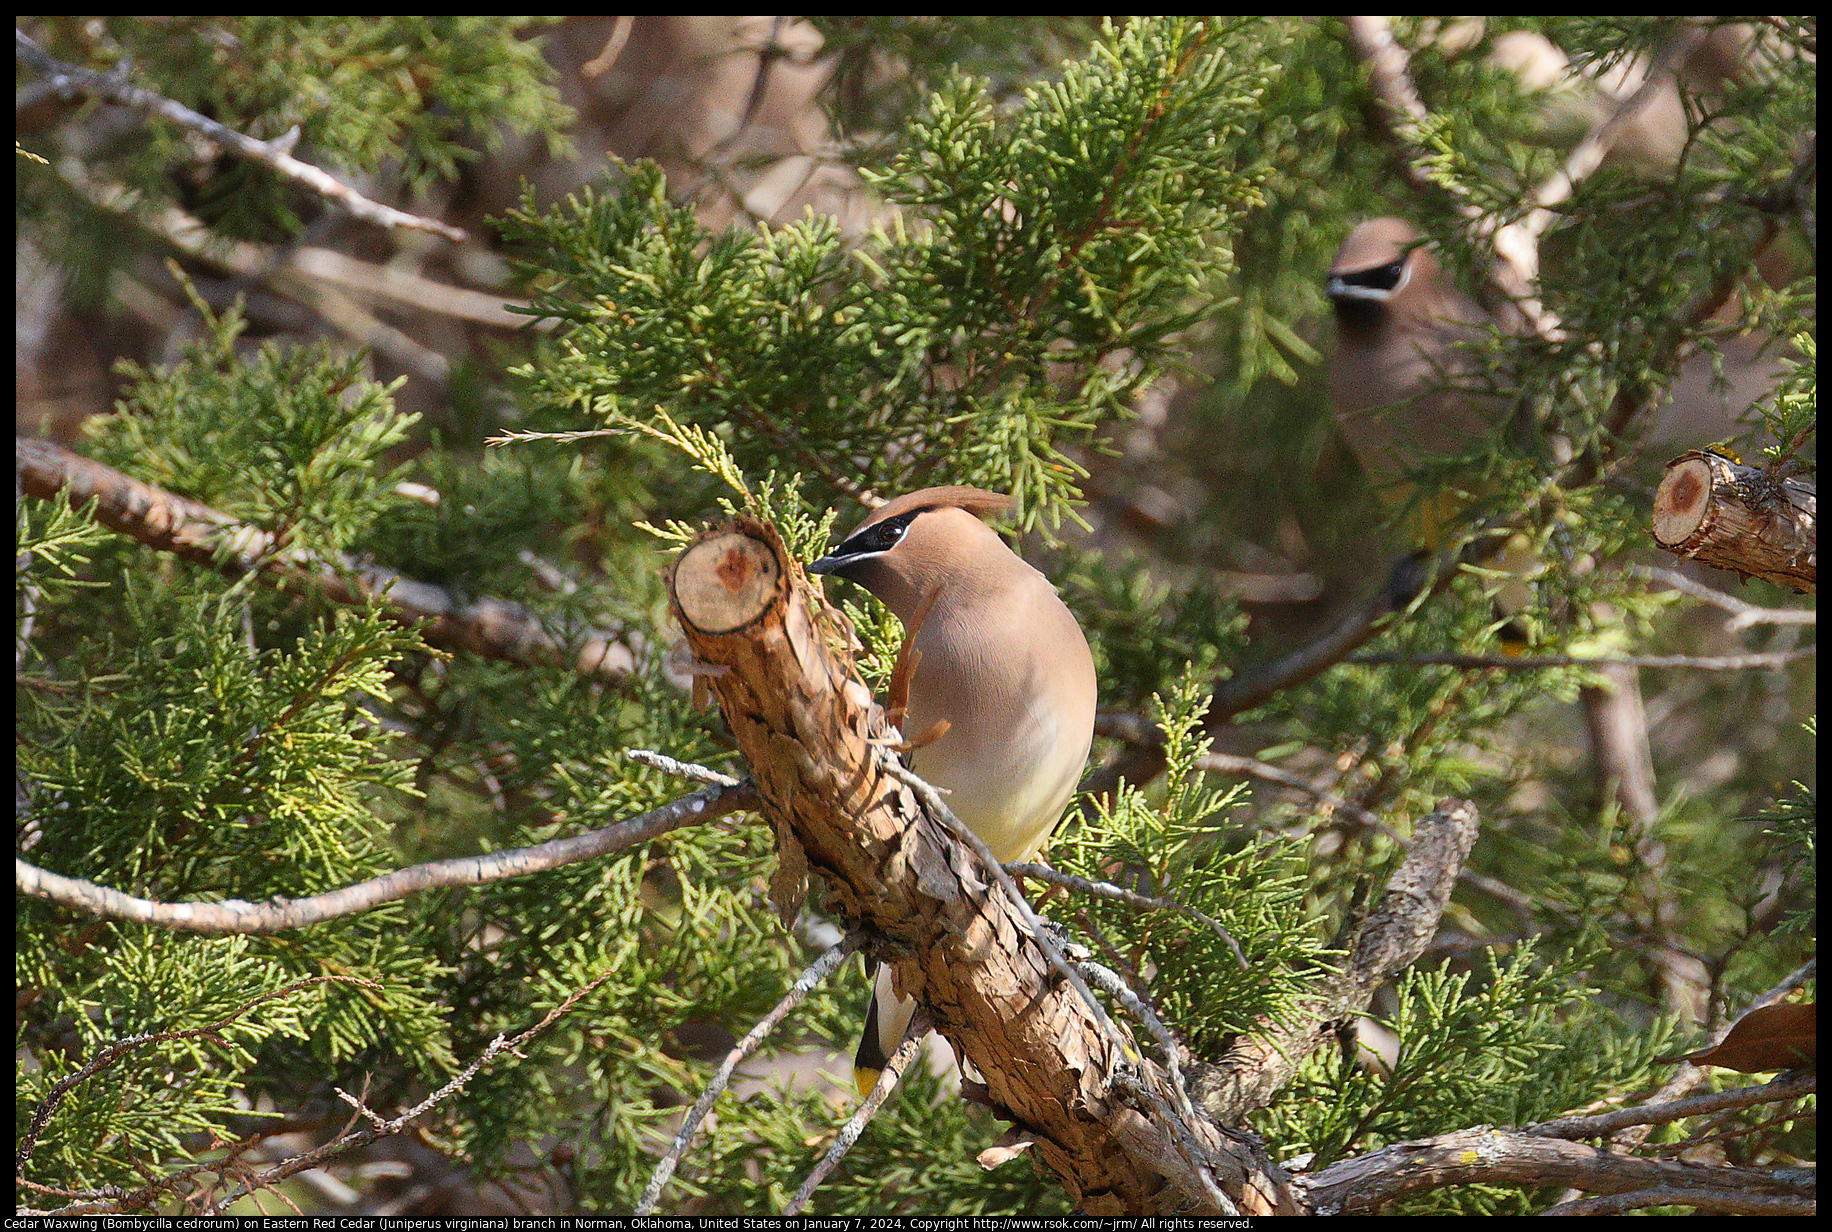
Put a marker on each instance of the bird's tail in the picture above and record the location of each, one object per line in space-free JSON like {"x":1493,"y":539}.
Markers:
{"x":886,"y":1019}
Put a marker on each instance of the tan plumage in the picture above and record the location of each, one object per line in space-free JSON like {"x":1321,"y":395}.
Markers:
{"x":1401,"y":354}
{"x":1003,"y":664}
{"x":1398,"y":326}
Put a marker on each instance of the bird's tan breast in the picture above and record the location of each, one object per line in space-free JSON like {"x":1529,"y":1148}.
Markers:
{"x":1020,"y":709}
{"x":1395,"y":402}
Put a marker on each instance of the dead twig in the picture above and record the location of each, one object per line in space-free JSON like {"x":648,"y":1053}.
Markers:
{"x":280,"y":914}
{"x":805,"y":983}
{"x":69,"y":80}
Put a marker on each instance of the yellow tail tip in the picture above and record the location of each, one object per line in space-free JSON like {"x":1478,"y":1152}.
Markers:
{"x":1514,"y":639}
{"x":865,"y":1080}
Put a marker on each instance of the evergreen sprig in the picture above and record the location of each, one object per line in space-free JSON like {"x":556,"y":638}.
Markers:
{"x":1058,"y":254}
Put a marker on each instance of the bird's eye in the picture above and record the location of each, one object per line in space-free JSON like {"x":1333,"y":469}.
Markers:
{"x":885,"y":535}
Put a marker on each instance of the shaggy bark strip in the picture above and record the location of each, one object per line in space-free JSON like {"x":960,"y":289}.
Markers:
{"x":1388,"y":941}
{"x":818,"y":747}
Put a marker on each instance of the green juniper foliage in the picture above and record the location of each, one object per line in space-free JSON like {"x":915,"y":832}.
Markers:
{"x":1518,"y":1040}
{"x":359,"y":91}
{"x":1177,"y":843}
{"x":287,"y":439}
{"x":1034,"y":284}
{"x":1082,"y":219}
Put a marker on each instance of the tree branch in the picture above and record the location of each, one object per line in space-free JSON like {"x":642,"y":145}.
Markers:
{"x":68,"y":81}
{"x":325,"y":281}
{"x":1363,"y":1185}
{"x":279,"y":914}
{"x":818,"y":752}
{"x":1689,"y":1076}
{"x":1743,"y":614}
{"x":805,"y":983}
{"x":1411,"y":580}
{"x":1528,"y":663}
{"x":1371,"y":42}
{"x":1390,"y":939}
{"x":1119,"y":894}
{"x":1603,"y":1124}
{"x":378,"y":1128}
{"x":894,"y":1068}
{"x":1714,"y":1200}
{"x":1515,"y":269}
{"x":1714,"y":509}
{"x":168,"y":522}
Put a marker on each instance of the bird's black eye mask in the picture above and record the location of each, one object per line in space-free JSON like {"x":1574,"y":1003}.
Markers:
{"x":879,"y":536}
{"x":1380,"y":278}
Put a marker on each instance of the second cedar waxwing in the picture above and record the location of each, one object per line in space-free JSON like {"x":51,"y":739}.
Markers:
{"x":1003,"y":665}
{"x":1400,"y":326}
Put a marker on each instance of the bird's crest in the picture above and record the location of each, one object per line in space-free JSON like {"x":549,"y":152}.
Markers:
{"x":977,"y":501}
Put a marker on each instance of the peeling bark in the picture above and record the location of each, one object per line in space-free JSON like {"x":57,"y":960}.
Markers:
{"x":819,"y":748}
{"x":1390,"y":939}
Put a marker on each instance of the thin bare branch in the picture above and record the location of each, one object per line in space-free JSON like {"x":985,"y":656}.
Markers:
{"x":601,"y":63}
{"x":1119,"y":894}
{"x":325,"y":282}
{"x":1138,"y":730}
{"x":1200,"y":1161}
{"x":1229,"y":763}
{"x":279,"y":914}
{"x":1410,"y":581}
{"x":1517,"y":243}
{"x":1794,"y":979}
{"x":70,"y":81}
{"x":1527,"y":663}
{"x":855,"y":1125}
{"x":805,"y":983}
{"x":1743,"y":614}
{"x":680,"y":769}
{"x":1712,"y":1200}
{"x":351,"y":1140}
{"x":1688,"y":1076}
{"x":1515,"y":270}
{"x":1390,"y":78}
{"x":767,"y":55}
{"x":1588,"y":155}
{"x":403,"y":288}
{"x":1603,"y":1124}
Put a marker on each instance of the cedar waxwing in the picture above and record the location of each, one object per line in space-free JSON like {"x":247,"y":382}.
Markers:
{"x":1003,"y":665}
{"x":1398,"y":323}
{"x":1393,"y":376}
